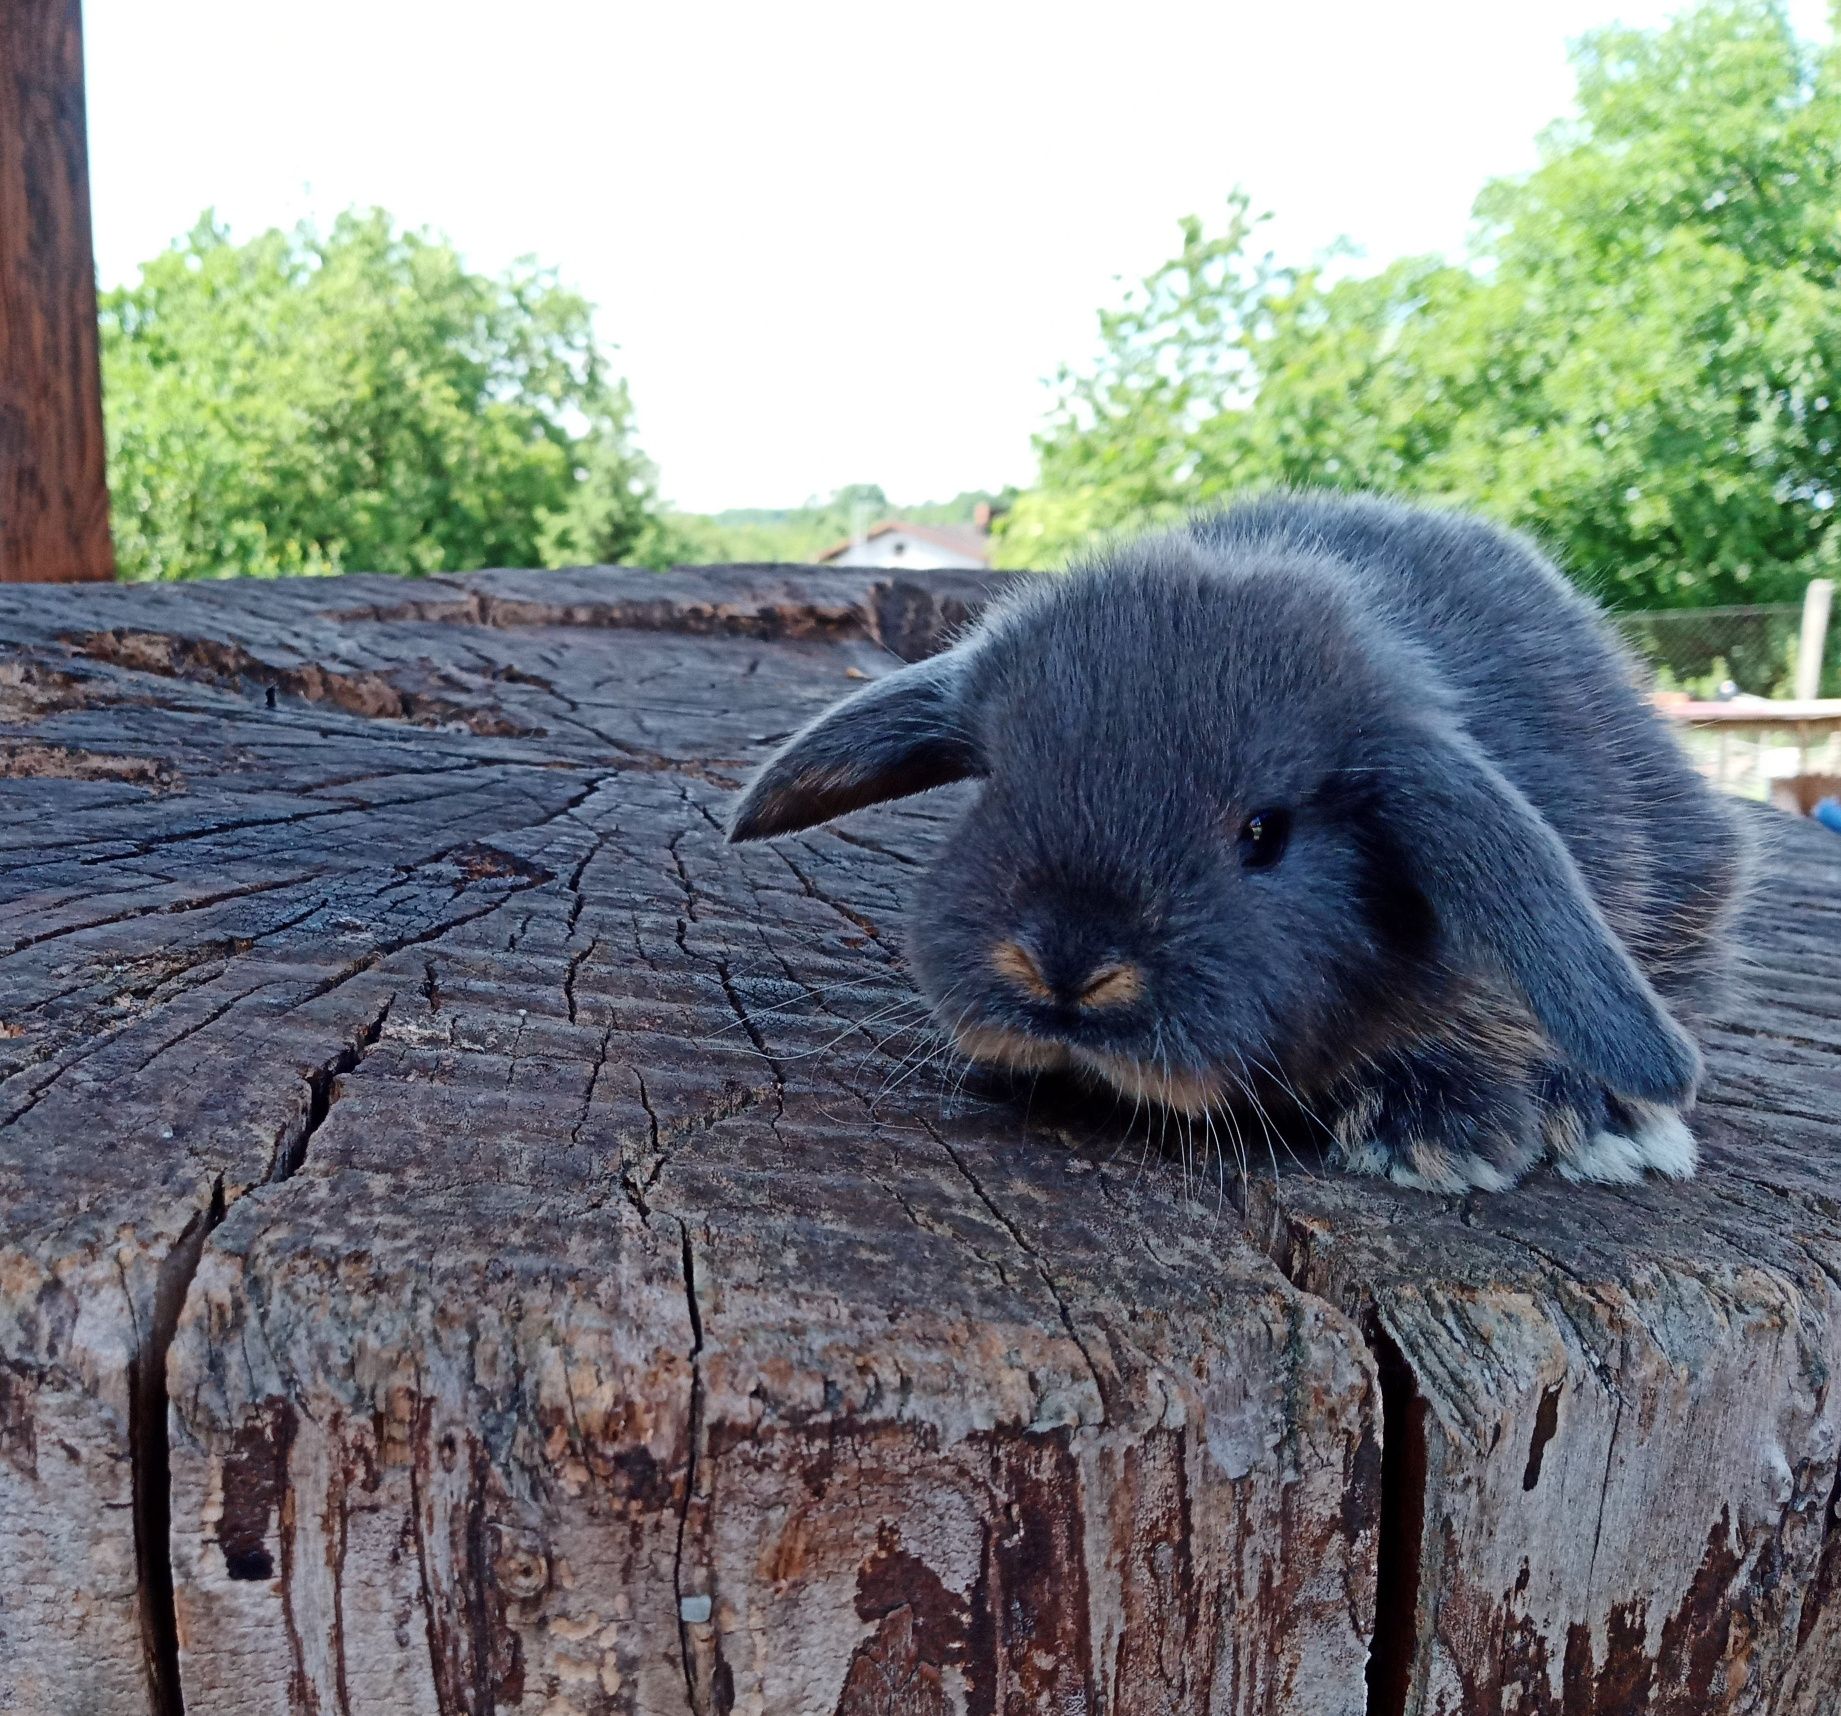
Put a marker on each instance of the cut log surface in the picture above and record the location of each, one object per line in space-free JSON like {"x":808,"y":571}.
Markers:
{"x":472,"y":1241}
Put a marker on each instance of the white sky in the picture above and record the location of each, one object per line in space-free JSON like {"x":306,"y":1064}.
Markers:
{"x":835,"y":243}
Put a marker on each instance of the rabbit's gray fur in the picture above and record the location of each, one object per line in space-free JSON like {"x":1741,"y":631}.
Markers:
{"x":1504,"y":885}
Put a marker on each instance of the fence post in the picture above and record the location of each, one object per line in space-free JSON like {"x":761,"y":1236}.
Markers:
{"x":54,"y":505}
{"x":1818,"y":597}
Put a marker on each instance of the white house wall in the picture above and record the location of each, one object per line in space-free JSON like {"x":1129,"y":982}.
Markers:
{"x":897,"y":548}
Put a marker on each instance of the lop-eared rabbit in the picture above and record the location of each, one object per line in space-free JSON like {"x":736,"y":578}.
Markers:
{"x":1328,"y":804}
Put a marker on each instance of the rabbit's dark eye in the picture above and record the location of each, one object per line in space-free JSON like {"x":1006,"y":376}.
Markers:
{"x":1262,"y":838}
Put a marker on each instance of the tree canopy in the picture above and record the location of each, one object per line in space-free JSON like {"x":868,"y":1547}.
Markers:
{"x":1639,"y":360}
{"x":358,"y":399}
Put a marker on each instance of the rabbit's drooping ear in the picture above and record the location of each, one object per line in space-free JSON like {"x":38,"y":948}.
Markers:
{"x":1505,"y":887}
{"x":901,"y":735}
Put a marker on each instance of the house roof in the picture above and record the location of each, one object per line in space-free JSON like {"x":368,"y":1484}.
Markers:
{"x":955,"y":539}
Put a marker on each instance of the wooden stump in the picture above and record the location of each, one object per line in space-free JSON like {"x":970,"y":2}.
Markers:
{"x":472,"y":1241}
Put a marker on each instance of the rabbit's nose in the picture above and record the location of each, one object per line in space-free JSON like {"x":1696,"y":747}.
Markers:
{"x":1113,"y":984}
{"x":1017,"y":966}
{"x":1110,"y":983}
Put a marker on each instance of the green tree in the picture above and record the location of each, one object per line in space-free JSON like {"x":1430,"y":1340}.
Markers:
{"x":610,"y":513}
{"x":310,"y":402}
{"x":1640,"y":360}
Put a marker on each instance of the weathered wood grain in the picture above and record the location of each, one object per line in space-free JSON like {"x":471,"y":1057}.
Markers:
{"x":54,"y":503}
{"x":471,"y":1241}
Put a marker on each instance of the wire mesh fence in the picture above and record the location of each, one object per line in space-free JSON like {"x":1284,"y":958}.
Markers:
{"x":1741,"y":653}
{"x":1709,"y":652}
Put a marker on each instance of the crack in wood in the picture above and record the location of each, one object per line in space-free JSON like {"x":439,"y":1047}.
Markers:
{"x":637,"y":1194}
{"x":696,"y":1611}
{"x":202,"y":903}
{"x":1546,"y":1423}
{"x":1395,"y":1651}
{"x":233,"y":667}
{"x":1825,"y":1588}
{"x":1099,"y":1378}
{"x":150,"y":1459}
{"x":323,"y":1089}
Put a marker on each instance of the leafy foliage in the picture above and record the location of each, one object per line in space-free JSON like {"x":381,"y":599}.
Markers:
{"x":1640,"y":361}
{"x":309,"y":402}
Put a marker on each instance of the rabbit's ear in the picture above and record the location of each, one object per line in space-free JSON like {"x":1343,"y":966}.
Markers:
{"x":901,"y":735}
{"x":1505,"y":887}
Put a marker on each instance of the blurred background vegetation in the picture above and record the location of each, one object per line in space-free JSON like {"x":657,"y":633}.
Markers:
{"x":312,"y":402}
{"x":1638,"y":360}
{"x":799,"y":533}
{"x":356,"y":399}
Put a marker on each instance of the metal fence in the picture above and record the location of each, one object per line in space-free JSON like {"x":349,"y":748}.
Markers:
{"x":1746,"y":653}
{"x":1709,"y":652}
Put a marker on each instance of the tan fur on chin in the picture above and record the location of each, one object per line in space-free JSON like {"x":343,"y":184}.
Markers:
{"x":1188,"y":1092}
{"x":1009,"y":1048}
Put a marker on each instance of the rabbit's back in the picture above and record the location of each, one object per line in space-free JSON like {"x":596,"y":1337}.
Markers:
{"x":1547,"y":689}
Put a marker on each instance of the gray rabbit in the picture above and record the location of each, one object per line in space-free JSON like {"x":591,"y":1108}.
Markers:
{"x":1325,"y":802}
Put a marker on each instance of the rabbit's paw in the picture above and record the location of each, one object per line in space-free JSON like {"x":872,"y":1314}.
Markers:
{"x":1593,"y":1135}
{"x":1440,"y":1119}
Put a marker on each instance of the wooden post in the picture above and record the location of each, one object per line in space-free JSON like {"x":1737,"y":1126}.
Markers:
{"x":1818,"y":597}
{"x":54,"y":502}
